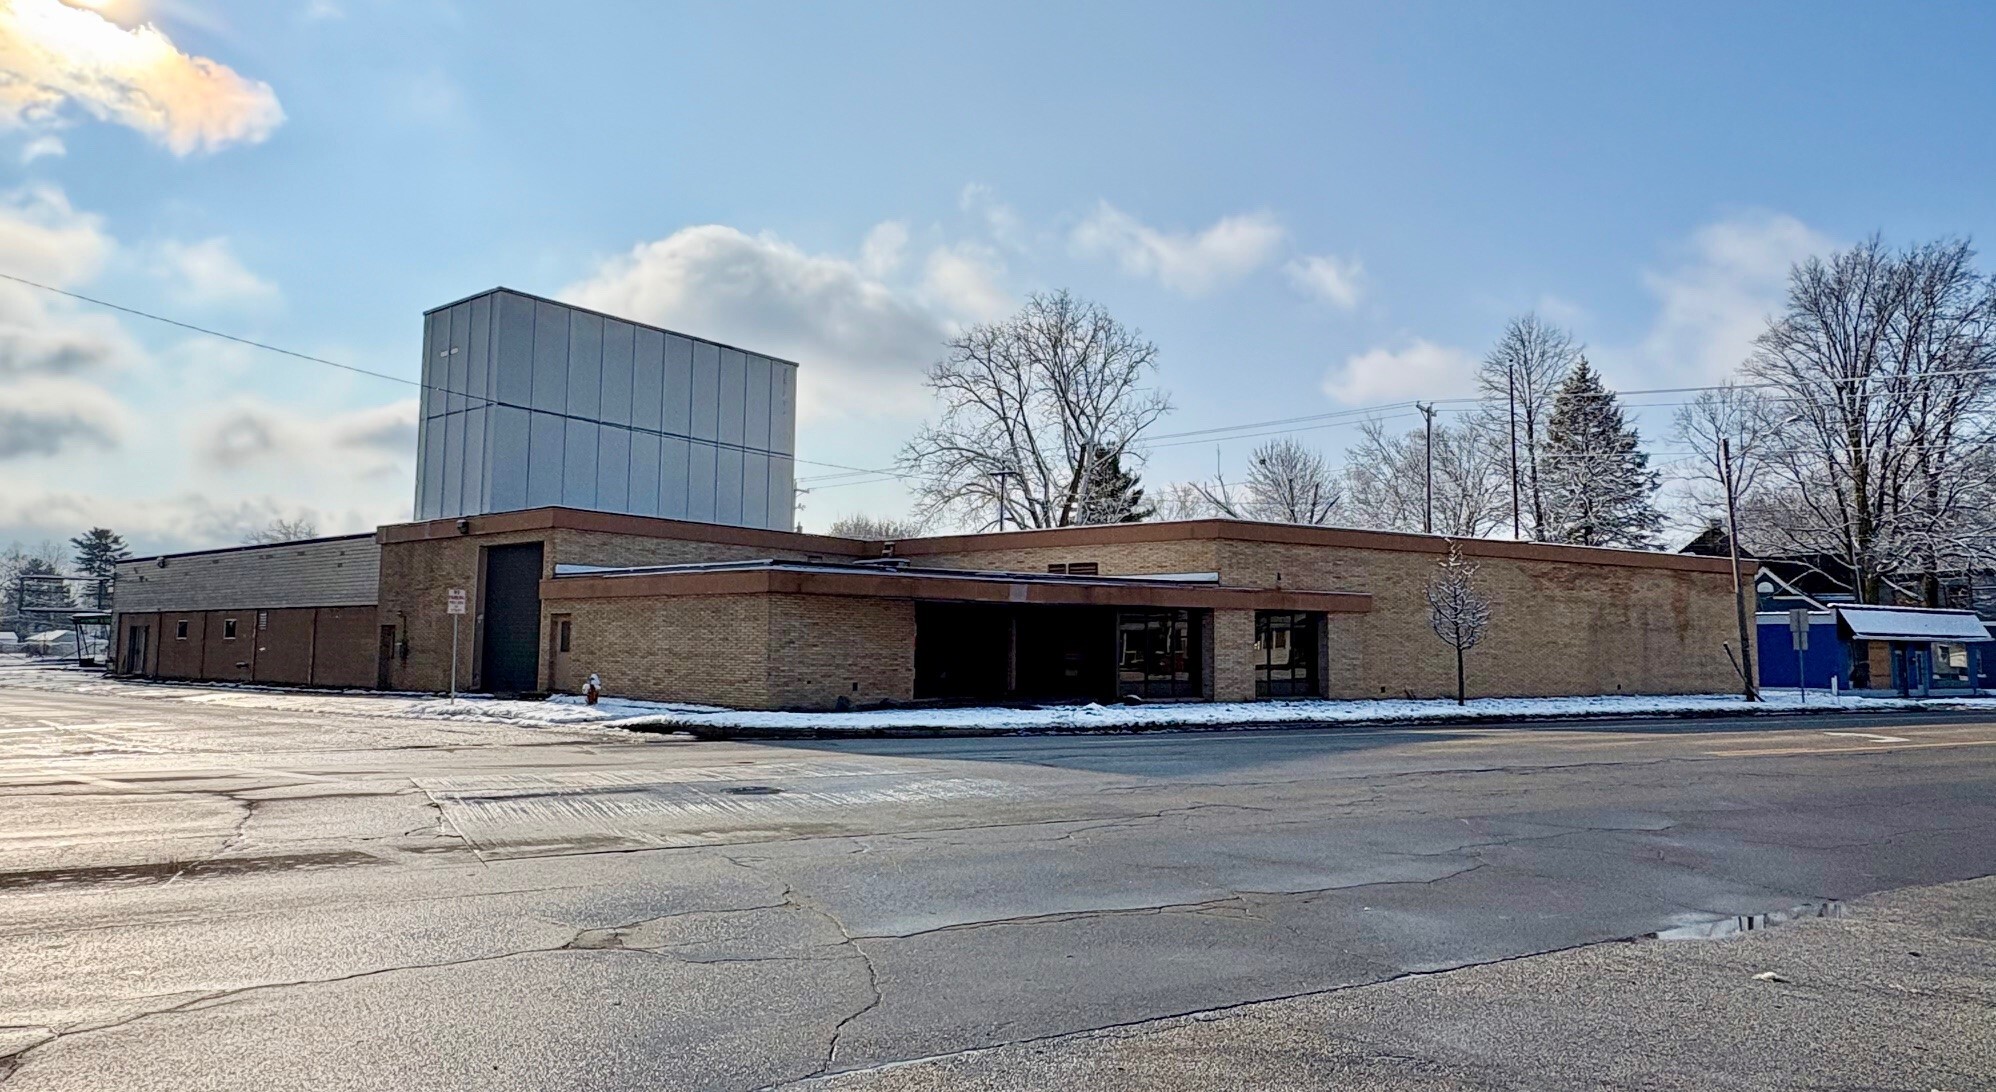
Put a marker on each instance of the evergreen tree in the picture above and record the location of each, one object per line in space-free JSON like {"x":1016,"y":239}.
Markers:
{"x":1110,"y":494}
{"x":1599,"y":484}
{"x":98,"y":552}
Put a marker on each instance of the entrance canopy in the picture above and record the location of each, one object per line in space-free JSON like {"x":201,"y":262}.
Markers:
{"x":1911,"y":624}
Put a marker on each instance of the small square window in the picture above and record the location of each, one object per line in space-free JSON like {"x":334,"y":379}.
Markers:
{"x":180,"y":630}
{"x":228,"y":629}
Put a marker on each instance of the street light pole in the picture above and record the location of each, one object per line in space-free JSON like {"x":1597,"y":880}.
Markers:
{"x":1739,"y":592}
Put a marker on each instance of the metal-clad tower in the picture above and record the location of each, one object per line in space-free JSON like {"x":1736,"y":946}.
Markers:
{"x":528,"y":402}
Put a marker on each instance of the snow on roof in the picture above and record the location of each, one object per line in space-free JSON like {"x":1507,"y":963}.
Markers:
{"x":50,"y":635}
{"x":1912,"y":624}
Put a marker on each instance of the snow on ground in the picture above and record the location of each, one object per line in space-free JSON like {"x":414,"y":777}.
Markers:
{"x":567,"y":711}
{"x":1119,"y":718}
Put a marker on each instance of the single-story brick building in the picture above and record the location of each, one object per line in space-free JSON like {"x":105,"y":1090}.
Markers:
{"x":755,"y":618}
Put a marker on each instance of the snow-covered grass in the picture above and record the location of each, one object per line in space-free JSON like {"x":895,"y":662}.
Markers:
{"x":568,"y":711}
{"x":1123,"y":718}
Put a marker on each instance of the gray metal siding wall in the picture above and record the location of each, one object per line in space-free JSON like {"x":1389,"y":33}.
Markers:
{"x":339,"y":572}
{"x":599,"y":414}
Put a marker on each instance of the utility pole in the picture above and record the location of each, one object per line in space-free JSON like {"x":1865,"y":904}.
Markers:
{"x":1739,"y":592}
{"x":1428,"y":513}
{"x":1001,"y":475}
{"x":1511,"y":396}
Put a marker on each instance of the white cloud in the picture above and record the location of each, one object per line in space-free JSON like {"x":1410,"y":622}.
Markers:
{"x":180,"y":521}
{"x":1420,"y":369}
{"x":884,"y":248}
{"x":1717,"y":301}
{"x":208,"y":273}
{"x":1002,"y":222}
{"x":861,"y":345}
{"x":56,"y":55}
{"x":1187,"y":263}
{"x":962,"y":282}
{"x":362,"y":444}
{"x":1327,"y":277}
{"x":42,"y":238}
{"x":45,"y":416}
{"x":48,"y":145}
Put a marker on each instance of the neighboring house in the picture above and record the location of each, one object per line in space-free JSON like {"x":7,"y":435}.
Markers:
{"x":1899,"y":647}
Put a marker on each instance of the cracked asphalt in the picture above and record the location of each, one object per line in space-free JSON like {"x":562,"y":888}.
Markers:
{"x":196,"y":895}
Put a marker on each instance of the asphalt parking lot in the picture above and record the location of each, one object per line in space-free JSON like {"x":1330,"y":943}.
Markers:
{"x":204,"y":896}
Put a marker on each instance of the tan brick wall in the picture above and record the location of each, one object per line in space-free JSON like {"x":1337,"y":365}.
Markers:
{"x":1233,"y":655}
{"x":1127,"y":559}
{"x":1556,"y":627}
{"x":415,"y":576}
{"x":822,"y":648}
{"x":711,"y":650}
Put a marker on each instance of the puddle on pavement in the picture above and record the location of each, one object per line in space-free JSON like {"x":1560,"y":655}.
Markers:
{"x":1720,"y":928}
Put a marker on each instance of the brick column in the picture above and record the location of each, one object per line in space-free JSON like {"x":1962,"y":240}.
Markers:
{"x":1233,"y":655}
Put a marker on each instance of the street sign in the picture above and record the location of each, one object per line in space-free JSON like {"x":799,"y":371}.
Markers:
{"x":1798,"y":628}
{"x":457,"y":601}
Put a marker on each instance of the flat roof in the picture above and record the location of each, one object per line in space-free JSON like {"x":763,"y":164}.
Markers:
{"x":1107,"y":534}
{"x":251,"y":546}
{"x":1912,"y":623}
{"x":608,"y":315}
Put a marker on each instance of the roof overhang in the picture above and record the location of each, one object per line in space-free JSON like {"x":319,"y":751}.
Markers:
{"x":1911,"y":624}
{"x":914,"y":584}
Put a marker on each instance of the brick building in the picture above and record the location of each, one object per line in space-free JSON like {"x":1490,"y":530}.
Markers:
{"x":610,"y":499}
{"x":753,"y":618}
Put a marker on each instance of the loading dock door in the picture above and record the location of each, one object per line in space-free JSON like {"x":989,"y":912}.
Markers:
{"x":512,"y":627}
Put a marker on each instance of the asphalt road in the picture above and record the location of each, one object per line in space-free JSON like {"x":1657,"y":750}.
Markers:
{"x":201,"y":896}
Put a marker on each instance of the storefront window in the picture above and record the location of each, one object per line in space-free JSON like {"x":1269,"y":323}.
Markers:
{"x":1951,"y":667}
{"x":1285,"y":645}
{"x":1157,"y":653}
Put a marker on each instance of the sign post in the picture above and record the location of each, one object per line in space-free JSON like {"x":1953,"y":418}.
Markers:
{"x":1798,"y":634}
{"x":455,"y":604}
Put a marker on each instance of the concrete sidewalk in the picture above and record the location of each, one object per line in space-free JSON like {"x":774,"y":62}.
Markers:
{"x":1897,"y":993}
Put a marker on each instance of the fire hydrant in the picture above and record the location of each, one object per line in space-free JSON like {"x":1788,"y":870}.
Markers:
{"x":592,"y":689}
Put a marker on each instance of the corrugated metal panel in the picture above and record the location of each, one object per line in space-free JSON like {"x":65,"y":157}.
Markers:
{"x":545,"y":439}
{"x":322,"y":573}
{"x":457,"y":359}
{"x":782,"y":493}
{"x":508,"y":460}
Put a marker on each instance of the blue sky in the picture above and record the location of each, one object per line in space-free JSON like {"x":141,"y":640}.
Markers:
{"x":1308,"y":208}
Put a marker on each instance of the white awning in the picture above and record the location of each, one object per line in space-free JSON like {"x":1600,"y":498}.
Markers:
{"x":1912,"y":624}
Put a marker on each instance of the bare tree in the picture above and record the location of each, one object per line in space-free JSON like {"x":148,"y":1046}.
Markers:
{"x":282,"y":530}
{"x":1029,"y":406}
{"x":1883,"y":362}
{"x":1288,"y":482}
{"x":1385,"y":480}
{"x":874,"y":528}
{"x":1457,"y":611}
{"x":1744,"y":417}
{"x":1518,"y":380}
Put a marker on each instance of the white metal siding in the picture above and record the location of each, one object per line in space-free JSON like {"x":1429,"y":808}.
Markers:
{"x":622,"y":418}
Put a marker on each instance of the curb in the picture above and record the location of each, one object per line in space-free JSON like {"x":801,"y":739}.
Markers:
{"x":722,"y":732}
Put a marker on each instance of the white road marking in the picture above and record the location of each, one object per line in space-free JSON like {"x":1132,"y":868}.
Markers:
{"x":1872,"y":736}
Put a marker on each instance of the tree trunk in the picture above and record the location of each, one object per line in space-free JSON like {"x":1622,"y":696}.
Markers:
{"x":1461,"y":692}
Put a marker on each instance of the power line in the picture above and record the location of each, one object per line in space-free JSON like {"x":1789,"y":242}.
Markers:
{"x":416,"y":383}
